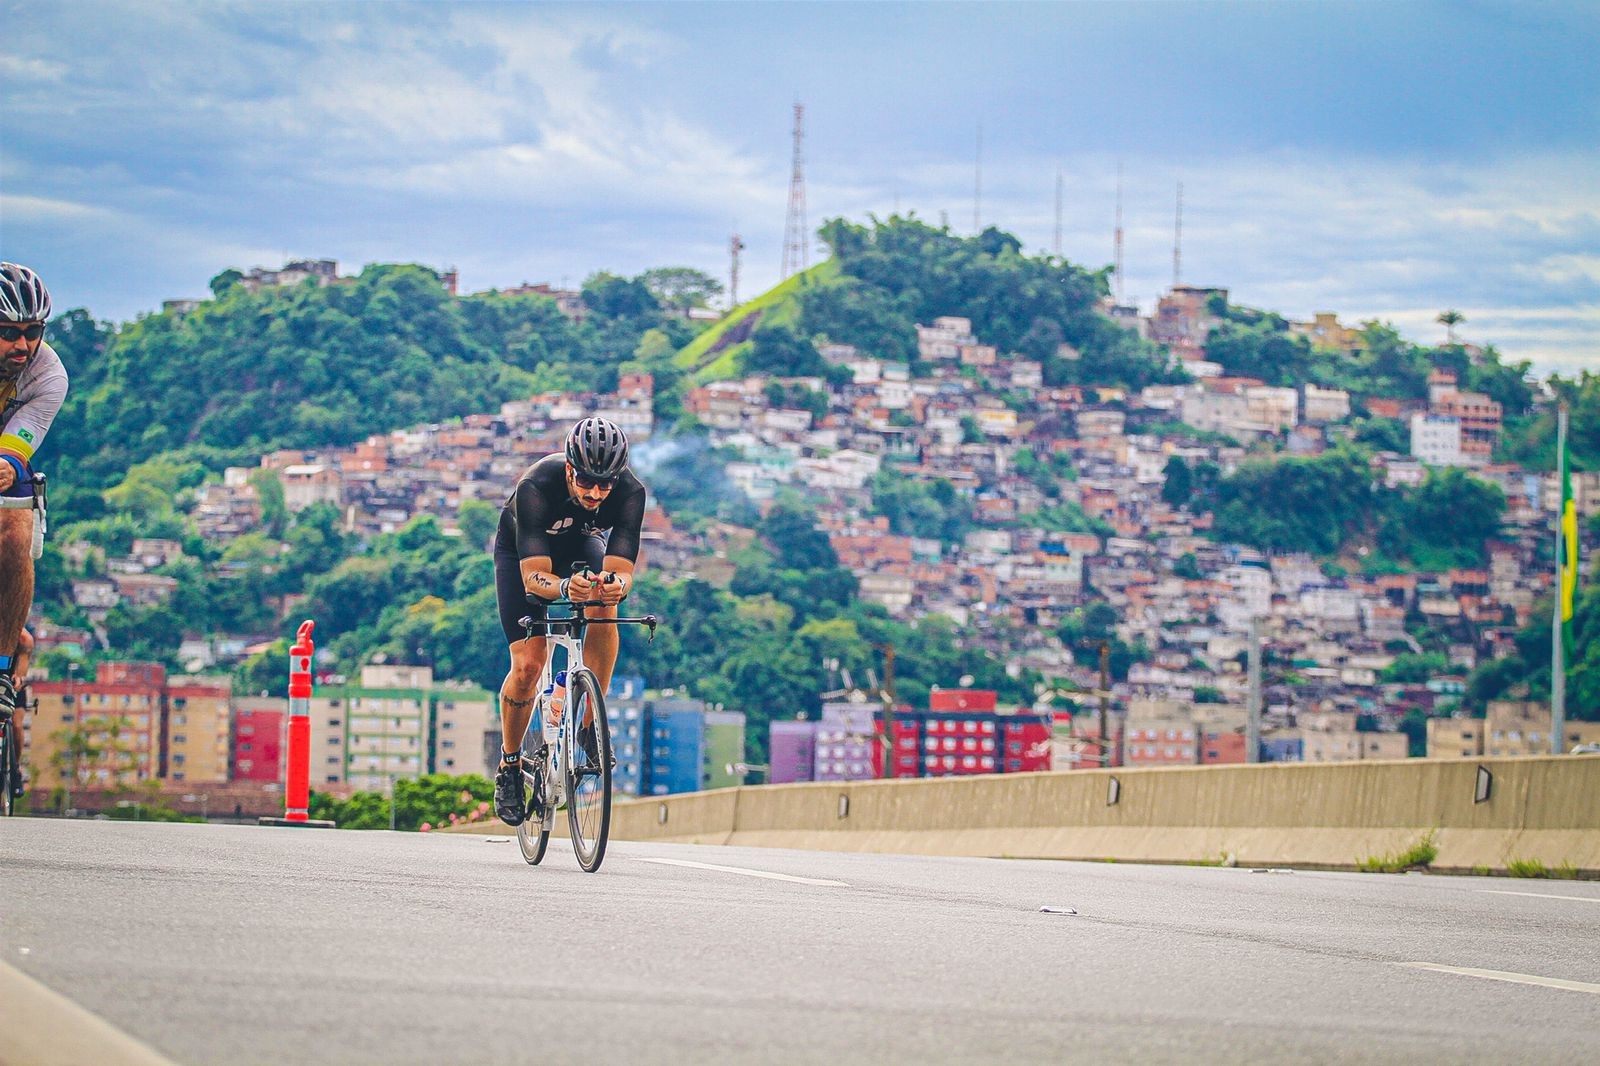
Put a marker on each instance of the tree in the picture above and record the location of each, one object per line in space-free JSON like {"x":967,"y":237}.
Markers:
{"x":1445,"y":521}
{"x":1450,"y":320}
{"x":269,"y":493}
{"x":225,"y":281}
{"x":796,"y":541}
{"x":619,"y":297}
{"x":1307,"y":505}
{"x":680,"y":288}
{"x":858,"y":313}
{"x":478,"y":520}
{"x":1178,"y":485}
{"x":1042,"y":340}
{"x":778,"y":349}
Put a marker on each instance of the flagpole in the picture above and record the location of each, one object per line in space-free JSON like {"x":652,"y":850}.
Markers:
{"x":1558,"y":674}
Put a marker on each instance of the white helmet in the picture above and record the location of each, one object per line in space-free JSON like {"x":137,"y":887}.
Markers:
{"x":23,"y":297}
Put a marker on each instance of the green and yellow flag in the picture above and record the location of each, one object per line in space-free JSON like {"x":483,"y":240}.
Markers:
{"x":1567,"y":565}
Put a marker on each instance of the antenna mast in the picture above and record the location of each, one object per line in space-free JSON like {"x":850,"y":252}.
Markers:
{"x":796,"y":245}
{"x":977,"y":186}
{"x":1056,"y":248}
{"x":1177,"y":241}
{"x":1117,"y":254}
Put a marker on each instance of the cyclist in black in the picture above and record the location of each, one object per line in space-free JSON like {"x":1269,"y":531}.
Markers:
{"x":581,"y":506}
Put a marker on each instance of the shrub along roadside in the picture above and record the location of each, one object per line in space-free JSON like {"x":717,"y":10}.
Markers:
{"x":419,"y":804}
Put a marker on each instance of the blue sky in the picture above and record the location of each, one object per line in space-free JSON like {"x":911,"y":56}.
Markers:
{"x":1378,"y":160}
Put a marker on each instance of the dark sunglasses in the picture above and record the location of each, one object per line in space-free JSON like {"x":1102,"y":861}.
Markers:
{"x":586,"y":482}
{"x":18,"y":333}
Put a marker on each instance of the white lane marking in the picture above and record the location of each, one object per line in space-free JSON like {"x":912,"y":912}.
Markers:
{"x":1513,"y":978}
{"x":1539,"y":895}
{"x":741,"y":870}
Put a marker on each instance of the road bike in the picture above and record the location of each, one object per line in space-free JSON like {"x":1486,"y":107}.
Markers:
{"x":559,"y":769}
{"x":11,"y":753}
{"x":10,"y":739}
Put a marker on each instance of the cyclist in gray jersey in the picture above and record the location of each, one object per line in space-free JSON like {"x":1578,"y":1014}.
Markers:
{"x":32,"y":385}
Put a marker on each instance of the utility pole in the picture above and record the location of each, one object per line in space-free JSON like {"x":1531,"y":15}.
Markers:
{"x":1252,"y":729}
{"x":1105,"y":701}
{"x":796,"y":239}
{"x":886,"y":694}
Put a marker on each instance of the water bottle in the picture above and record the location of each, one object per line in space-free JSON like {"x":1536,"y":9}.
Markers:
{"x":552,"y":704}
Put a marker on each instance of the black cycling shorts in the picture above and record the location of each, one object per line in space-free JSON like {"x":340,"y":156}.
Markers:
{"x":512,"y":597}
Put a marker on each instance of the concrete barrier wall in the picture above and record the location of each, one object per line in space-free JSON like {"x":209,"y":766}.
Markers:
{"x":1541,"y":808}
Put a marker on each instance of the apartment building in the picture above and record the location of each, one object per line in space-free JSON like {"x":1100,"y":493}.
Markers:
{"x":397,"y":723}
{"x":198,"y":727}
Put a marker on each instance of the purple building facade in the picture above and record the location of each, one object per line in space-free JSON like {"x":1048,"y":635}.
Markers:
{"x":844,"y":743}
{"x":791,"y":751}
{"x":836,"y":748}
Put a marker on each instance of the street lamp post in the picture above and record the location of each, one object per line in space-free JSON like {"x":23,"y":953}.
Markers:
{"x":743,"y":768}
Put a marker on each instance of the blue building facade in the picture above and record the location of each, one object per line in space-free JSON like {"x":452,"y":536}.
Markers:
{"x":676,"y":752}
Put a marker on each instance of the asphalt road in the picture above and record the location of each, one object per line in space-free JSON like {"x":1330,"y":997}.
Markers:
{"x":230,"y":944}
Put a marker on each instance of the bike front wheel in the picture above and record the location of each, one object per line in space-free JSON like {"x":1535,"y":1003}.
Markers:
{"x":588,"y":772}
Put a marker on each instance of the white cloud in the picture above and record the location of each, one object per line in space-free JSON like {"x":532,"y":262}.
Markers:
{"x":14,"y":68}
{"x":534,"y":142}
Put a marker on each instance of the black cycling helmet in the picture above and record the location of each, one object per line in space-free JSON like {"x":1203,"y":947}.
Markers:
{"x":23,"y":297}
{"x":597,"y":448}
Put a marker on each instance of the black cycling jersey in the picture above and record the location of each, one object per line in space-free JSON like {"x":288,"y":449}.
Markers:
{"x":540,"y":511}
{"x":542,"y":519}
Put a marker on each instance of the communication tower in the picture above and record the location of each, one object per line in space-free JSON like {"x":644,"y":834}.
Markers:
{"x":735,"y":246}
{"x":1177,"y":241}
{"x":796,"y":239}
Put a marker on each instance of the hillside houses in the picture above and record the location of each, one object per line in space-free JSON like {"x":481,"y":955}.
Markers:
{"x":1064,"y":488}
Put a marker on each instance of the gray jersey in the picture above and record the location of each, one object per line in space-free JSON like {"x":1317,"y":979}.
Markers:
{"x":31,"y":403}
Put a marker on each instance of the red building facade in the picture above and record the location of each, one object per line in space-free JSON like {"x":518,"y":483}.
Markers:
{"x":963,"y":734}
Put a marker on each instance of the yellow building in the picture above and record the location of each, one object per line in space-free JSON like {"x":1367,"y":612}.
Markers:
{"x":1325,"y":331}
{"x":1511,"y":727}
{"x":97,"y":733}
{"x":197,"y":730}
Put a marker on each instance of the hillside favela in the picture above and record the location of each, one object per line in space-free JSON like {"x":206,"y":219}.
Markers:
{"x":932,"y":507}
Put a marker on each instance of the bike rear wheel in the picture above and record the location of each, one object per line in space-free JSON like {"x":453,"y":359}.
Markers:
{"x":8,"y":759}
{"x":533,"y":835}
{"x":588,"y":774}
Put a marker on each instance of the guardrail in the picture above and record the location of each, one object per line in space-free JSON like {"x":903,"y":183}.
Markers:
{"x":1482,"y":814}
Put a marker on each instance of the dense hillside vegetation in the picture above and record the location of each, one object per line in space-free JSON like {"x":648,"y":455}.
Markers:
{"x":309,"y":366}
{"x":162,"y":404}
{"x":885,"y":278}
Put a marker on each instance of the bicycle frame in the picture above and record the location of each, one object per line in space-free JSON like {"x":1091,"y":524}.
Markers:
{"x":552,"y":771}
